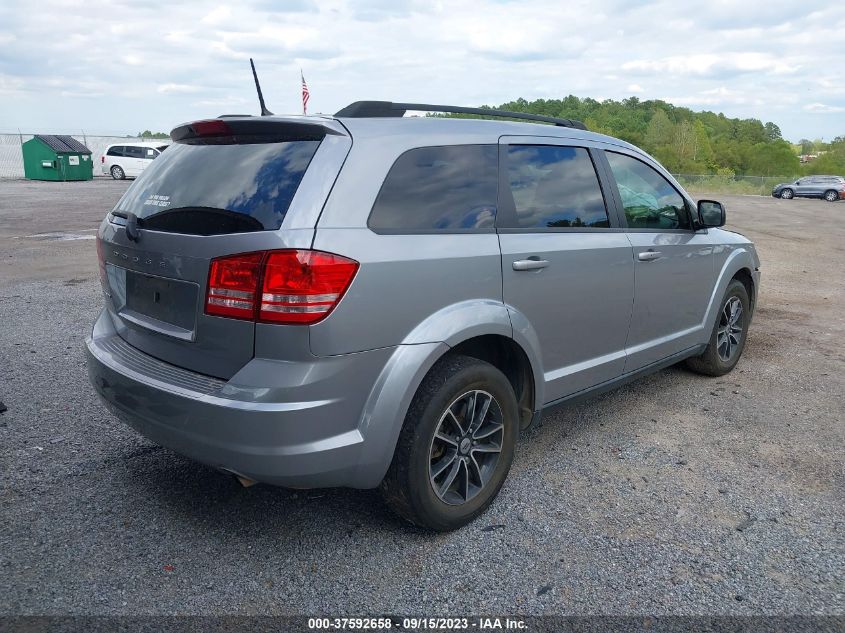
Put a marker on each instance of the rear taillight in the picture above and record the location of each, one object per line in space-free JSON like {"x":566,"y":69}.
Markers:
{"x":233,"y":285}
{"x":287,"y":286}
{"x":303,"y":286}
{"x":103,"y":159}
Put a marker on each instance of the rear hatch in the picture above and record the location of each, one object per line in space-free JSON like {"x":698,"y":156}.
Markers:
{"x":225,"y":186}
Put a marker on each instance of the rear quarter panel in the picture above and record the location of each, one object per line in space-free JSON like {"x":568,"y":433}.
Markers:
{"x":403,"y":279}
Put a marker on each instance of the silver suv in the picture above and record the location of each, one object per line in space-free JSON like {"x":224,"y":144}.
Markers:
{"x":831,"y":188}
{"x":369,"y":300}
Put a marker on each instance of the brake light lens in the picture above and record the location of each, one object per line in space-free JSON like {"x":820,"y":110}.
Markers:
{"x":103,"y":159}
{"x":287,"y":286}
{"x":232,"y":285}
{"x":303,"y":286}
{"x":211,"y":127}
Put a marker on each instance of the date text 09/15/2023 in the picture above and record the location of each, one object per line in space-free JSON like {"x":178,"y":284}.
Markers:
{"x":416,"y":623}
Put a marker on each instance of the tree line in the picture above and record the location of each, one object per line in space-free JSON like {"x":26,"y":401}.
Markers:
{"x":689,"y":142}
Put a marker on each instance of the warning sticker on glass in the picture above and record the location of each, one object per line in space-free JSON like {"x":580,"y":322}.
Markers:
{"x":156,"y":200}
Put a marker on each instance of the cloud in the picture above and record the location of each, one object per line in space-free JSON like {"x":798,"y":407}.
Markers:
{"x":154,"y":63}
{"x":218,"y":15}
{"x":712,"y":64}
{"x":823,"y":108}
{"x":171,"y":88}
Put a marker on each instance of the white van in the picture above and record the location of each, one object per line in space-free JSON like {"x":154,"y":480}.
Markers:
{"x":128,"y":160}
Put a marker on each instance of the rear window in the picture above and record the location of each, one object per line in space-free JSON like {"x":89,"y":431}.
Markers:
{"x":447,"y":188}
{"x":554,"y":187}
{"x":222,"y":188}
{"x":115,"y":151}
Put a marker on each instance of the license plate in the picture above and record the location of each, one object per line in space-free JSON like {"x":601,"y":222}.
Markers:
{"x":166,"y":305}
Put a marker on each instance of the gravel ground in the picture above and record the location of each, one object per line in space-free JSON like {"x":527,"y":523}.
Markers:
{"x":677,"y":494}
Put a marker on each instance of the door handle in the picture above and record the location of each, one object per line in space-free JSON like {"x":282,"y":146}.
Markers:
{"x":649,"y":256}
{"x":532,"y":263}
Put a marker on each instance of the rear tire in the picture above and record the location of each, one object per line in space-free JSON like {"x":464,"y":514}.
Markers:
{"x":787,"y":194}
{"x":729,"y":334}
{"x":831,"y":196}
{"x":117,"y":172}
{"x":456,"y":445}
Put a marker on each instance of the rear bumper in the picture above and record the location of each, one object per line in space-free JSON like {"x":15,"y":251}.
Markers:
{"x":299,"y":427}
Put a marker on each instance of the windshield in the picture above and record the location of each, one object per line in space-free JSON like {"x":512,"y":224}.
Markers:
{"x":209,"y":189}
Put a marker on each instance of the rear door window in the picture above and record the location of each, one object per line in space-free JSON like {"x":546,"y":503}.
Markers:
{"x":134,"y":152}
{"x":445,"y":188}
{"x":554,"y":187}
{"x":219,"y":188}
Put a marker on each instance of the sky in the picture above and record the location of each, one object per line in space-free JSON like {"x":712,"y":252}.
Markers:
{"x":122,"y":66}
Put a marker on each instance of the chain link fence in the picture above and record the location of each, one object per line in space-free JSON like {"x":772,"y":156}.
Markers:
{"x":749,"y":185}
{"x":11,"y":155}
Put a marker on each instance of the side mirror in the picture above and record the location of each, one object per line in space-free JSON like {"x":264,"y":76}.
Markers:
{"x":711,"y":214}
{"x":797,"y":182}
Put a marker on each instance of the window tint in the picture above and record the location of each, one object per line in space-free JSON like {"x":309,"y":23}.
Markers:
{"x":134,"y":152}
{"x":649,"y":200}
{"x":555,"y":187}
{"x":439,"y":188}
{"x":239,"y":188}
{"x":115,"y":151}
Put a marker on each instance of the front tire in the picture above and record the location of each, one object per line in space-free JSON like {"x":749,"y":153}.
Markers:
{"x":787,"y":194}
{"x":831,"y":196}
{"x":117,"y":172}
{"x":729,"y":334}
{"x":456,"y":445}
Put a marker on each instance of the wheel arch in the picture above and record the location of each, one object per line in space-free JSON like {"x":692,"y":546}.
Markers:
{"x":741,"y":264}
{"x":506,"y":355}
{"x":745,"y":275}
{"x":480,"y":329}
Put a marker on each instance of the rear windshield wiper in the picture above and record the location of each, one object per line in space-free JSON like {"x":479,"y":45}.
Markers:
{"x":133,"y":223}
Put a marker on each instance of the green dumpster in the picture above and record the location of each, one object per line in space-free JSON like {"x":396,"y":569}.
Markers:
{"x":56,"y":157}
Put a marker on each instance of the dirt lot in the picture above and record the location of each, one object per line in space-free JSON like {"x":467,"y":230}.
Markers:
{"x":676,"y":494}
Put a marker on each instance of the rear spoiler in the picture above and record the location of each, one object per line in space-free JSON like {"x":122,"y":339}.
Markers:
{"x":254,"y":129}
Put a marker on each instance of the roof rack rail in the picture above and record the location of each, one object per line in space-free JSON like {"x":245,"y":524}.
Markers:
{"x":374,"y":109}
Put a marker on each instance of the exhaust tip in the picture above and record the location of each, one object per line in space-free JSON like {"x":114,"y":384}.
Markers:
{"x":246,"y":482}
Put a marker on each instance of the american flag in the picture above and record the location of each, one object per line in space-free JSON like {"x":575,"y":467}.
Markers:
{"x":305,"y":94}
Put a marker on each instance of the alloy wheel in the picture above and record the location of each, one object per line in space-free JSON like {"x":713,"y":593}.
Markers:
{"x":466,"y":447}
{"x":729,"y":334}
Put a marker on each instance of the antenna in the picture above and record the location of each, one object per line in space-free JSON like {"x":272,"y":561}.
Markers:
{"x":264,"y":110}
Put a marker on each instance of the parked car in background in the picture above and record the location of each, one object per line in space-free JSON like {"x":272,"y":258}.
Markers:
{"x":129,"y":160}
{"x":830,"y":188}
{"x":371,"y":300}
